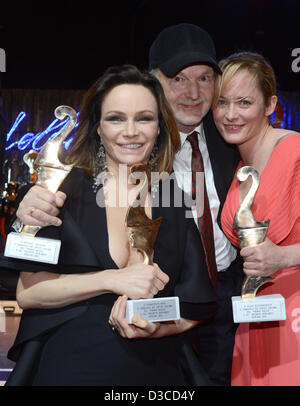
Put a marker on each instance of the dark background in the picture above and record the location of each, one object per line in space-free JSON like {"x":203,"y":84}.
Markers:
{"x":67,"y":44}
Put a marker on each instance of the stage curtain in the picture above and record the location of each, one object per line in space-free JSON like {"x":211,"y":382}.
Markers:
{"x":38,"y":104}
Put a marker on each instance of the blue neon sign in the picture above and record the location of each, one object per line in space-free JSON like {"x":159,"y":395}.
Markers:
{"x":39,"y":140}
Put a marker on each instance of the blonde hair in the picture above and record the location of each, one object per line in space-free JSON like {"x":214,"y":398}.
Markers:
{"x":256,"y":65}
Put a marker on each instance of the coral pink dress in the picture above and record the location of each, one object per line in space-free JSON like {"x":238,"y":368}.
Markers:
{"x":268,"y":353}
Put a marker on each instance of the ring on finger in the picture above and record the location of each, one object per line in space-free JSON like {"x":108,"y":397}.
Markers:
{"x":31,"y":211}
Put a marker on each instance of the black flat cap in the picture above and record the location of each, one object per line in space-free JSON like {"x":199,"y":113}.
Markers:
{"x":181,"y":45}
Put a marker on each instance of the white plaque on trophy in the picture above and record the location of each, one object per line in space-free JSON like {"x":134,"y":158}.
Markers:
{"x":260,"y":308}
{"x":154,"y":310}
{"x":32,"y":249}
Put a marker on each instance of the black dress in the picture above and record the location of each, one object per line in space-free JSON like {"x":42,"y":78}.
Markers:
{"x":75,"y":345}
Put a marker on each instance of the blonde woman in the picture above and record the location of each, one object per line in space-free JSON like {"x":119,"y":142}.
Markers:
{"x":265,"y":353}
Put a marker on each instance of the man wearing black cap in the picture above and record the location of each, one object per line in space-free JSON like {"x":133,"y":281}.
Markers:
{"x":183,"y":58}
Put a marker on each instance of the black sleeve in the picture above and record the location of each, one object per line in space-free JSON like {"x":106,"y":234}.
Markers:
{"x":197,"y":297}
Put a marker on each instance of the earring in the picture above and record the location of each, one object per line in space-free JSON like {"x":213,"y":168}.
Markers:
{"x":100,"y":165}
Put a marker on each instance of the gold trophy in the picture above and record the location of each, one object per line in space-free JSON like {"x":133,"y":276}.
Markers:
{"x":248,"y":307}
{"x":29,"y":160}
{"x":142,"y":237}
{"x":50,"y":174}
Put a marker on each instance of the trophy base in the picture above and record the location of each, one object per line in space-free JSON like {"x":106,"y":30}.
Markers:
{"x":32,"y":248}
{"x":260,"y":308}
{"x":154,"y":310}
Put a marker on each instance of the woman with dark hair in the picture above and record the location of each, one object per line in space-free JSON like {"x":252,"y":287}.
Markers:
{"x":73,"y":329}
{"x":87,"y":142}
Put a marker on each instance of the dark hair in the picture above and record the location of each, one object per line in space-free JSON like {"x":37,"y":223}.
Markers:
{"x":86,"y":144}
